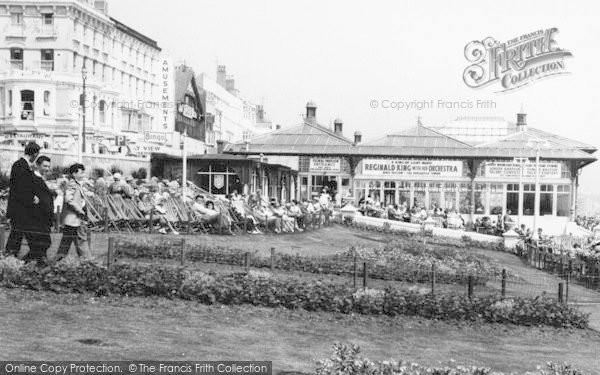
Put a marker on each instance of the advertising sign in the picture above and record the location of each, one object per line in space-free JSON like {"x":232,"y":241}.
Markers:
{"x":166,"y":118}
{"x":391,"y":168}
{"x":325,"y":165}
{"x":513,"y":170}
{"x":155,"y":137}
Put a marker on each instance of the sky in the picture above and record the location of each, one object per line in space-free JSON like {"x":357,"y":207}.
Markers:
{"x":343,"y":55}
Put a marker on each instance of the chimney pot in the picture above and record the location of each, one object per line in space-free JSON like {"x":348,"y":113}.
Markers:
{"x":357,"y":137}
{"x":338,"y":126}
{"x":521,"y":122}
{"x":311,"y":112}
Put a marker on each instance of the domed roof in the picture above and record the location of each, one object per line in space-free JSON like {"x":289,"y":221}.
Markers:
{"x":357,"y":132}
{"x":338,"y":121}
{"x":311,"y":104}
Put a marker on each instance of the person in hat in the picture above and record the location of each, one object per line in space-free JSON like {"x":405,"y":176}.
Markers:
{"x":116,"y":188}
{"x":21,"y":200}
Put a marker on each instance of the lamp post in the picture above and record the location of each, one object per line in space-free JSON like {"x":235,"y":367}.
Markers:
{"x":537,"y":144}
{"x":83,"y":100}
{"x":184,"y":177}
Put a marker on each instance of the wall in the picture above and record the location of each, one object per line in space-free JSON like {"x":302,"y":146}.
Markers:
{"x":8,"y":155}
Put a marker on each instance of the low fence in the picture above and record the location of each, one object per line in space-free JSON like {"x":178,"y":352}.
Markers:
{"x":416,"y":228}
{"x":190,"y":252}
{"x":584,"y":271}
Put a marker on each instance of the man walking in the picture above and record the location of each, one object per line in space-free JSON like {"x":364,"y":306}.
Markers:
{"x":20,"y":200}
{"x":74,"y":216}
{"x":42,"y":213}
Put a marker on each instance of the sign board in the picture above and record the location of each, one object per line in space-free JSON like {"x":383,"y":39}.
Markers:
{"x":187,"y":111}
{"x":145,"y":148}
{"x":513,"y":170}
{"x":24,"y":137}
{"x":325,"y":165}
{"x":166,"y":92}
{"x":155,"y":137}
{"x":219,"y":181}
{"x":391,"y":168}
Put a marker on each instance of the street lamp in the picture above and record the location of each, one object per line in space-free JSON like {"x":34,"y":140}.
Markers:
{"x":537,"y":144}
{"x":83,"y":99}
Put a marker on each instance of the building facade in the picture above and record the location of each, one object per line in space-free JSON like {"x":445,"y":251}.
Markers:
{"x":234,"y":118}
{"x":48,"y":49}
{"x":472,"y":172}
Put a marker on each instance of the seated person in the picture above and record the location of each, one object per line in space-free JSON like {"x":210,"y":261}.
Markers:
{"x":160,"y":213}
{"x":294,"y":212}
{"x":264,"y":214}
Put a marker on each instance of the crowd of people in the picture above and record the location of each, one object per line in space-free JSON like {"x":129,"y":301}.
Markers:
{"x":34,"y":203}
{"x":588,"y":222}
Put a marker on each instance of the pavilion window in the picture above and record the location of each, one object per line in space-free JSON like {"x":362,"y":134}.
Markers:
{"x":404,"y":193}
{"x":512,"y":198}
{"x":465,"y":198}
{"x":450,"y":190}
{"x":528,"y":199}
{"x":389,"y":192}
{"x":563,"y":200}
{"x":420,"y":195}
{"x":496,"y":197}
{"x":375,"y":191}
{"x":435,"y":194}
{"x":546,"y":198}
{"x":480,"y":198}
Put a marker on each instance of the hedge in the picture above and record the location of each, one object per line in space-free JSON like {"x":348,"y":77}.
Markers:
{"x":261,"y":289}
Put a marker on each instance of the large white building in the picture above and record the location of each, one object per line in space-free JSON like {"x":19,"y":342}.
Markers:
{"x":235,"y":118}
{"x":44,"y":45}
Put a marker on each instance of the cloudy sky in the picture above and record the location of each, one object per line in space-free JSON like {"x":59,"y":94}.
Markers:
{"x":344,"y":54}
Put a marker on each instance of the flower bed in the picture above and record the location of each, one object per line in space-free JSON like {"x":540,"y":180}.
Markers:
{"x":398,"y":262}
{"x":347,"y":360}
{"x":261,"y":289}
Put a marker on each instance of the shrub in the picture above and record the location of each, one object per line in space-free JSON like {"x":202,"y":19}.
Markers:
{"x":140,"y":174}
{"x":261,"y":289}
{"x":397,"y":261}
{"x":347,"y":360}
{"x":57,"y":172}
{"x":98,"y":172}
{"x":115,"y":169}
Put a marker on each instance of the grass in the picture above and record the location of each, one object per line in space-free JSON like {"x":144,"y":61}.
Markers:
{"x":43,"y":325}
{"x":142,"y":328}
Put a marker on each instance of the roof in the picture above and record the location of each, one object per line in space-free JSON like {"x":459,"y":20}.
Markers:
{"x":183,"y":78}
{"x":418,"y":141}
{"x":305,"y":138}
{"x":229,"y":157}
{"x":135,"y":34}
{"x":419,"y":137}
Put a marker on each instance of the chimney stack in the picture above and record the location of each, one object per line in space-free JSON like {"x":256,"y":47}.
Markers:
{"x":521,"y":121}
{"x":357,"y":137}
{"x":338,"y":126}
{"x":221,"y":146}
{"x":311,"y":112}
{"x":221,"y":74}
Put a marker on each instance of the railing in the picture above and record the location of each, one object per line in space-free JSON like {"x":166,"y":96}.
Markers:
{"x":47,"y":65}
{"x":16,"y":64}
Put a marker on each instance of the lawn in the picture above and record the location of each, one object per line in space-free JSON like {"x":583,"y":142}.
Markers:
{"x":43,"y":325}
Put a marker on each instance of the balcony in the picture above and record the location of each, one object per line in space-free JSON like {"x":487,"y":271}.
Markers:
{"x":15,"y":31}
{"x":47,"y":65}
{"x":16,"y":64}
{"x":45,"y":32}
